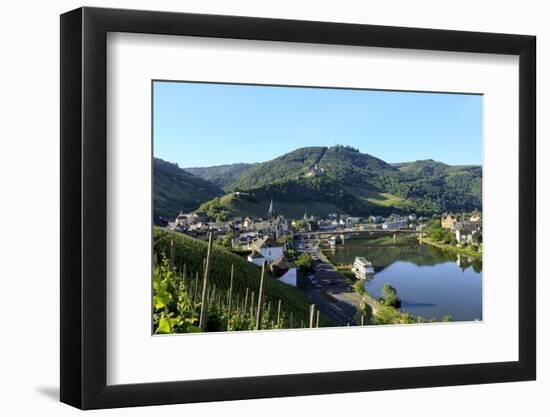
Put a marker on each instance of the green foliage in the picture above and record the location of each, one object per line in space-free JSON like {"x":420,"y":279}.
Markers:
{"x":173,"y":311}
{"x":390,"y":297}
{"x":476,"y":238}
{"x":285,"y":240}
{"x":304,"y":262}
{"x":214,"y":209}
{"x":365,"y":310}
{"x":173,"y":296}
{"x":176,"y":190}
{"x":227,"y":239}
{"x":222,"y":175}
{"x":299,"y":225}
{"x":438,"y":234}
{"x":359,"y":286}
{"x":290,"y":165}
{"x":389,"y":315}
{"x":354,"y":183}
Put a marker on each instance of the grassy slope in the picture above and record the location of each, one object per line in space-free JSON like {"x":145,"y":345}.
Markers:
{"x":245,"y":207}
{"x":376,"y":198}
{"x":191,"y":252}
{"x":367,"y":201}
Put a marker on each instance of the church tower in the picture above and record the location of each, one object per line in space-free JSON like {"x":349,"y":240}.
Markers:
{"x":271,"y":211}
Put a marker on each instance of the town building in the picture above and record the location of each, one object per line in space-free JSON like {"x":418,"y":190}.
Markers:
{"x":256,"y":258}
{"x":395,"y":225}
{"x":475,"y":218}
{"x":284,"y":271}
{"x":448,"y":221}
{"x":465,"y":234}
{"x":248,"y":223}
{"x":376,"y":219}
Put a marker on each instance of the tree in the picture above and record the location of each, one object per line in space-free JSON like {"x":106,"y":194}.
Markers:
{"x":359,"y":286}
{"x":286,"y":239}
{"x":448,"y":237}
{"x":365,"y":310}
{"x":390,"y":297}
{"x":476,"y":237}
{"x":227,"y":239}
{"x":435,"y":232}
{"x":454,"y":242}
{"x":222,"y":216}
{"x":304,"y":262}
{"x":299,"y":225}
{"x":433,"y":224}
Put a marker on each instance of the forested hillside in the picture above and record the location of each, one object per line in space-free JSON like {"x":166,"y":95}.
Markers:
{"x":340,"y":178}
{"x":175,"y":190}
{"x":221,"y":175}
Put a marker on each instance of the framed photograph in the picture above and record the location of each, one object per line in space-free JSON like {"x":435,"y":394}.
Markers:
{"x":257,"y":208}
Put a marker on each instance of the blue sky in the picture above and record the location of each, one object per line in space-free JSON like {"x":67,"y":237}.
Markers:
{"x":199,"y":124}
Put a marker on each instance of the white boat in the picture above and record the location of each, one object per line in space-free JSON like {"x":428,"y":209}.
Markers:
{"x":362,"y":268}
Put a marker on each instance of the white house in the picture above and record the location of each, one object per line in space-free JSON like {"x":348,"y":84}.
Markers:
{"x":270,"y":254}
{"x":464,"y":235}
{"x":284,"y":271}
{"x":395,"y":225}
{"x":256,"y":258}
{"x":290,"y":277}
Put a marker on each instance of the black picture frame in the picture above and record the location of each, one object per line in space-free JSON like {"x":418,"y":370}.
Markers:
{"x":84,"y":207}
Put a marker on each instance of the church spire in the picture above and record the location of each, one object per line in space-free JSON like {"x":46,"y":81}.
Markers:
{"x":271,"y":211}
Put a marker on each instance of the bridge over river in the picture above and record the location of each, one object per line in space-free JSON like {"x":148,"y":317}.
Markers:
{"x":326,"y":234}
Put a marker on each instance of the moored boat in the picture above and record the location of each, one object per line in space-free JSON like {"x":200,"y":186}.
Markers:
{"x":362,"y":268}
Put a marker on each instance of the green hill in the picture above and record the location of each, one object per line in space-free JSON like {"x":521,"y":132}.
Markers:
{"x":340,"y":179}
{"x":435,"y":186}
{"x":191,"y":253}
{"x":291,"y":165}
{"x":176,"y":190}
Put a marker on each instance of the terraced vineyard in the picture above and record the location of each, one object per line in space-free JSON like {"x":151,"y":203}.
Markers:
{"x":231,"y":304}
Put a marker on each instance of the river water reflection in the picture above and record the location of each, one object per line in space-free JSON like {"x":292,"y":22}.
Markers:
{"x":431,"y":282}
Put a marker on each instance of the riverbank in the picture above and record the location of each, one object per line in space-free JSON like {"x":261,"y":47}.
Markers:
{"x":463,"y":251}
{"x":352,"y":298}
{"x":381,"y":313}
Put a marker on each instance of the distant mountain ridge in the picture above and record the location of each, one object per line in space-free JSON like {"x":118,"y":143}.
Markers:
{"x":339,"y":178}
{"x":221,"y":175}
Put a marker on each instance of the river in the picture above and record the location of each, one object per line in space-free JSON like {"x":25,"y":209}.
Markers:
{"x":431,"y":282}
